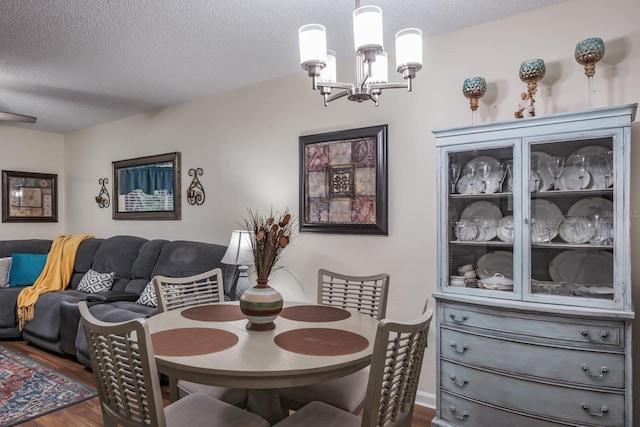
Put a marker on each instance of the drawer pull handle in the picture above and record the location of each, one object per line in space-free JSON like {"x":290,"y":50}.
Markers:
{"x":454,"y":346}
{"x":604,"y":370}
{"x":464,"y":415}
{"x":603,"y":335}
{"x":459,"y":384}
{"x":455,"y":319}
{"x":603,"y":411}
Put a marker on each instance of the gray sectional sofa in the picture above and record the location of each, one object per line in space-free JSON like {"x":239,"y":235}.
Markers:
{"x":135,"y":261}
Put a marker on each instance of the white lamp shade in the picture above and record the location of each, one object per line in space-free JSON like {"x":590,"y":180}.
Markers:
{"x":239,"y":251}
{"x":313,"y":44}
{"x":367,"y":28}
{"x":328,"y":73}
{"x":379,"y":69}
{"x":409,"y":47}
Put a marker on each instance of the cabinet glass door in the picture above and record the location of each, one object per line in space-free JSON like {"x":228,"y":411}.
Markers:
{"x":481,"y":229}
{"x":572,"y":227}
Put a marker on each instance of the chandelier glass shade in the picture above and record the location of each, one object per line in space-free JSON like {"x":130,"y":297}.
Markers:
{"x":371,"y":59}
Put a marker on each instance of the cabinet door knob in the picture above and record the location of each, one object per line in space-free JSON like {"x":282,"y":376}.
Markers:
{"x":604,"y":370}
{"x":603,"y":411}
{"x":462,"y":416}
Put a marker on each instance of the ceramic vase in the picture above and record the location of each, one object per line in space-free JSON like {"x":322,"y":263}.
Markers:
{"x":261,"y":305}
{"x":473,"y":89}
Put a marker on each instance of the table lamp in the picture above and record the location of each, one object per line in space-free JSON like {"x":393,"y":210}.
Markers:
{"x":240,"y":253}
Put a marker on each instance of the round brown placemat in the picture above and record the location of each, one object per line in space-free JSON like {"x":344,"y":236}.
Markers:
{"x":191,"y":341}
{"x":214,"y":313}
{"x":314,"y":313}
{"x":321,"y":342}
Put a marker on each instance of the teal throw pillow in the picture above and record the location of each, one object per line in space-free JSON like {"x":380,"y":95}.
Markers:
{"x":25,"y":268}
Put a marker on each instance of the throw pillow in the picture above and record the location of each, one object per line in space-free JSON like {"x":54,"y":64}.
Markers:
{"x":148,"y":296}
{"x":92,"y":282}
{"x":25,"y":268}
{"x":5,"y":264}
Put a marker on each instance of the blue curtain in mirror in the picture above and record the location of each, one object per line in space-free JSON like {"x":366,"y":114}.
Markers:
{"x":146,"y":178}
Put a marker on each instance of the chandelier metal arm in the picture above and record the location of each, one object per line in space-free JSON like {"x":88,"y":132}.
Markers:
{"x":400,"y":85}
{"x":328,"y":98}
{"x":334,"y":85}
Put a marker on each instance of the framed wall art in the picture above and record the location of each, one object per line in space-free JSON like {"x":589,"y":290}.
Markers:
{"x":147,"y":188}
{"x":29,"y":197}
{"x":343,"y":181}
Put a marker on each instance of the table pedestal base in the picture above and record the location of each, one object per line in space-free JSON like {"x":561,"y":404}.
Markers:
{"x":265,"y":403}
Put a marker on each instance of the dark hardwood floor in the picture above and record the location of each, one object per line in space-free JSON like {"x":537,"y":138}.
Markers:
{"x":87,"y":413}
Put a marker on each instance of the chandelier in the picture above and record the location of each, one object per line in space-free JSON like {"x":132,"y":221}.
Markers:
{"x":371,"y":59}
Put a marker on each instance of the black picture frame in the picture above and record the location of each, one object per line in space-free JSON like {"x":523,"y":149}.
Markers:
{"x":344,"y":181}
{"x":29,"y":197}
{"x":122,"y":168}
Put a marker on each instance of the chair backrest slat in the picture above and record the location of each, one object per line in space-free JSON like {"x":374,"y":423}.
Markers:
{"x":366,"y":294}
{"x":179,"y":292}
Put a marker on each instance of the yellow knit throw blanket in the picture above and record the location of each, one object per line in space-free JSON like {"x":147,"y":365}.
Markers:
{"x":55,"y":275}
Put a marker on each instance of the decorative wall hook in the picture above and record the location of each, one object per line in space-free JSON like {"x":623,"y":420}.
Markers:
{"x":195,"y":192}
{"x":103,"y":199}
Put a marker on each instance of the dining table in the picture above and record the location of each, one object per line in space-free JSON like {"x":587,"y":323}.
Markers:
{"x":310,"y":343}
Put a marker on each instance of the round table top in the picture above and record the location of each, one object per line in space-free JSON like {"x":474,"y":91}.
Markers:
{"x":310,"y":343}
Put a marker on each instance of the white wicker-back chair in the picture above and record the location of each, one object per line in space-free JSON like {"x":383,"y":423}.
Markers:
{"x":180,"y":292}
{"x":393,"y":381}
{"x":365,"y":294}
{"x":128,"y":384}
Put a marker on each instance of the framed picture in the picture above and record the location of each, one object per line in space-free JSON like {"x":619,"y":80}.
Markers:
{"x":29,"y":197}
{"x":147,"y":188}
{"x":343,"y":181}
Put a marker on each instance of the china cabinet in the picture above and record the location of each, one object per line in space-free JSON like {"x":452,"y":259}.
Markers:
{"x":534,"y":304}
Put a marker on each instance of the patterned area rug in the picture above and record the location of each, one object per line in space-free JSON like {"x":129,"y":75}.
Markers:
{"x":29,"y":389}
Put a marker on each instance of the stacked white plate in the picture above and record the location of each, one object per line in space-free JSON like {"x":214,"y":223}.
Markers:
{"x":483,"y":210}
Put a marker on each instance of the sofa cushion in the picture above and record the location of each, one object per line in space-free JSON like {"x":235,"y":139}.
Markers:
{"x":118,"y":254}
{"x":184,"y":258}
{"x":5,"y":264}
{"x":25,"y":268}
{"x":96,"y":282}
{"x":25,"y":246}
{"x":146,"y":259}
{"x":148,"y":296}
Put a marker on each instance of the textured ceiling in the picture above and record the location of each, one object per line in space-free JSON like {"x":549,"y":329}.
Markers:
{"x":78,"y":63}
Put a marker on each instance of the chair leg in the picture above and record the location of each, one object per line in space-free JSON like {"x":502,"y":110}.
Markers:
{"x":173,"y":389}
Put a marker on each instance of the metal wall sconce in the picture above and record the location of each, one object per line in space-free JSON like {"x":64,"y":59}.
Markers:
{"x":103,"y":199}
{"x":195,"y":192}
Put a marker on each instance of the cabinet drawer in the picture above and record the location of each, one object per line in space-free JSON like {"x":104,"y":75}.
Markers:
{"x":576,"y":366}
{"x":586,"y":407}
{"x":583,"y":333}
{"x":463,"y":412}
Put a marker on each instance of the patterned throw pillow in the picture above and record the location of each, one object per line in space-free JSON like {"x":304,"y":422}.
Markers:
{"x":148,"y":296}
{"x":92,"y":282}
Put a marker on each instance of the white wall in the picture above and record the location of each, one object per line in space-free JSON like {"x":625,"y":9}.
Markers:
{"x":247,"y":143}
{"x":25,"y":150}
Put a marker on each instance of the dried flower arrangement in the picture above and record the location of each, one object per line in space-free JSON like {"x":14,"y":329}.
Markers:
{"x":271,"y":234}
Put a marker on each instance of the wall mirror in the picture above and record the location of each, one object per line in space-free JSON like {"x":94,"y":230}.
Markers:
{"x":147,"y":187}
